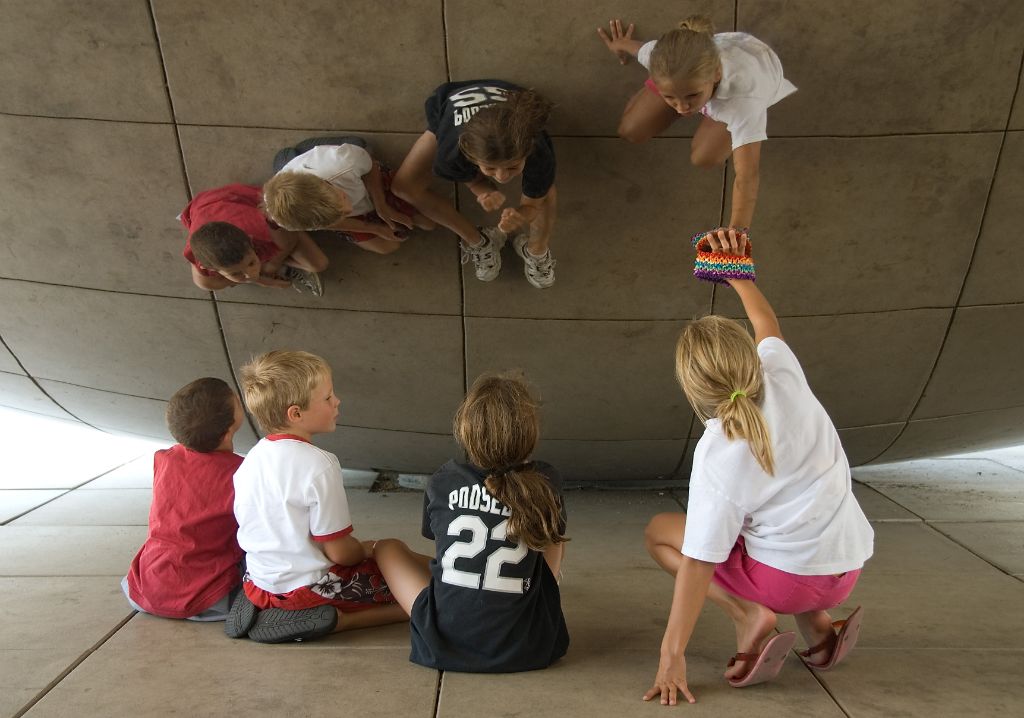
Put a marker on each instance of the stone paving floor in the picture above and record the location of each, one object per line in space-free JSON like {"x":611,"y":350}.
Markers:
{"x":942,"y":597}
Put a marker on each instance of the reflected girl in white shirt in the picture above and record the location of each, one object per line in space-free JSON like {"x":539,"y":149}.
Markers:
{"x":729,"y":78}
{"x":772,"y":525}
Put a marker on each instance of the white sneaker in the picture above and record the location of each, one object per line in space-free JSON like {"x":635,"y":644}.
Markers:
{"x":486,"y":256}
{"x":540,"y":271}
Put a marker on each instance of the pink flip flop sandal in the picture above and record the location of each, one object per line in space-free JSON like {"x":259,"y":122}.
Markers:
{"x":841,"y":641}
{"x":767,"y":663}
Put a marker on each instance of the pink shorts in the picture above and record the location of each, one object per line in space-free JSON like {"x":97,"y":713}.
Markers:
{"x":777,"y":590}
{"x":649,"y":84}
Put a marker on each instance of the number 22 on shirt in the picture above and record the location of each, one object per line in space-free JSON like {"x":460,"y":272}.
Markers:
{"x":477,"y":543}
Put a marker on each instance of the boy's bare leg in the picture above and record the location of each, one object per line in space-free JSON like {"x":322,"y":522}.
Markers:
{"x":306,"y":254}
{"x":407,"y":573}
{"x":370,"y":617}
{"x":711,"y":144}
{"x":646,"y":116}
{"x":412,"y":183}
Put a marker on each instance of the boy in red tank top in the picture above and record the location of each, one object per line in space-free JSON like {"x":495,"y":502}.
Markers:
{"x":189,"y":565}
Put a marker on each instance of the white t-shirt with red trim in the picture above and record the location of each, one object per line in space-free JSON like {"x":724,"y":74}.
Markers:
{"x":288,"y":497}
{"x":344,"y":166}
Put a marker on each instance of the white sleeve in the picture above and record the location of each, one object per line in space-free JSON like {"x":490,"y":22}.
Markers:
{"x":747,"y":120}
{"x":643,"y":55}
{"x":355,"y":158}
{"x":328,"y":506}
{"x":713,"y":524}
{"x":777,"y":358}
{"x":330,"y":161}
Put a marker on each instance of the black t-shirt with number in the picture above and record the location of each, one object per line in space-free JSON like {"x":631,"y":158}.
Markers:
{"x":492,"y":605}
{"x":449,"y":109}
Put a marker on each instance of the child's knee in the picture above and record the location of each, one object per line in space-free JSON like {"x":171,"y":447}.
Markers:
{"x":705,"y":160}
{"x":402,"y":188}
{"x":319,"y":264}
{"x":631,"y":132}
{"x":660,"y":529}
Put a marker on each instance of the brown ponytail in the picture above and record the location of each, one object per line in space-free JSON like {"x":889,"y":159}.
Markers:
{"x":720,"y":372}
{"x":498,"y":426}
{"x":505,"y":131}
{"x":687,"y":53}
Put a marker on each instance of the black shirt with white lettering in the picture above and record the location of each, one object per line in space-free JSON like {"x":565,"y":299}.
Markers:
{"x":449,"y":109}
{"x":492,"y":605}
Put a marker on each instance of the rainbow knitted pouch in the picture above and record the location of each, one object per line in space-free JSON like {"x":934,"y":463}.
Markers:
{"x":717,"y":267}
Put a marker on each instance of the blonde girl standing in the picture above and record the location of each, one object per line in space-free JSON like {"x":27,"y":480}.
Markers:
{"x":729,"y":78}
{"x":489,"y":601}
{"x":772,"y":525}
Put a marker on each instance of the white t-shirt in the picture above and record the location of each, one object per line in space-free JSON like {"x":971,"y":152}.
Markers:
{"x":802,"y":520}
{"x":751,"y":82}
{"x":288,"y":497}
{"x":341,"y":165}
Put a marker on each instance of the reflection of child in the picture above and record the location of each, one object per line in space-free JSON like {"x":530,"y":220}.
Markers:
{"x":489,"y":601}
{"x":230,"y":242}
{"x":303,"y":564}
{"x":337,"y":185}
{"x":189,"y":564}
{"x":479,"y":131}
{"x":772,"y":525}
{"x":730,"y":78}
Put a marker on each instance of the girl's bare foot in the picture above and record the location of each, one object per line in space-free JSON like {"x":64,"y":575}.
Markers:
{"x":815,"y":627}
{"x":753,"y":629}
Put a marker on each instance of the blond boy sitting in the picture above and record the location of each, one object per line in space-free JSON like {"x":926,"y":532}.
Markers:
{"x":306,"y":573}
{"x":341,"y":187}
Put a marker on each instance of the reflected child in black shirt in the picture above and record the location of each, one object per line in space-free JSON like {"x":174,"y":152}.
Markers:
{"x":489,"y":601}
{"x":480,"y":132}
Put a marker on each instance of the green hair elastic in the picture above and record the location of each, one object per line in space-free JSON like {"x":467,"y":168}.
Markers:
{"x":732,"y":397}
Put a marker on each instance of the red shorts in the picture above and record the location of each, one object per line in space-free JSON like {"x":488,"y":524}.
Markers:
{"x":395,"y":202}
{"x":777,"y":590}
{"x":349,"y":588}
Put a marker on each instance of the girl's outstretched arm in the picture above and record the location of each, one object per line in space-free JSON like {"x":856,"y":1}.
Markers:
{"x":746,"y":164}
{"x":691,"y":589}
{"x":759,"y":311}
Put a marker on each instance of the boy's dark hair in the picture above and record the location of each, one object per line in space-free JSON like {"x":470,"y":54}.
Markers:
{"x":200,"y":413}
{"x":219,"y":244}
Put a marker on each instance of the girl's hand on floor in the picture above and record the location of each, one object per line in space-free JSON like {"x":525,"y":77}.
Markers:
{"x":491,"y":201}
{"x":616,"y":40}
{"x":670,"y":681}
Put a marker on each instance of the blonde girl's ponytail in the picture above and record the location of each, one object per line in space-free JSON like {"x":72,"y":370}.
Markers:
{"x":506,"y":131}
{"x":498,"y":425}
{"x":698,"y":23}
{"x":719,"y":370}
{"x":687,"y":53}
